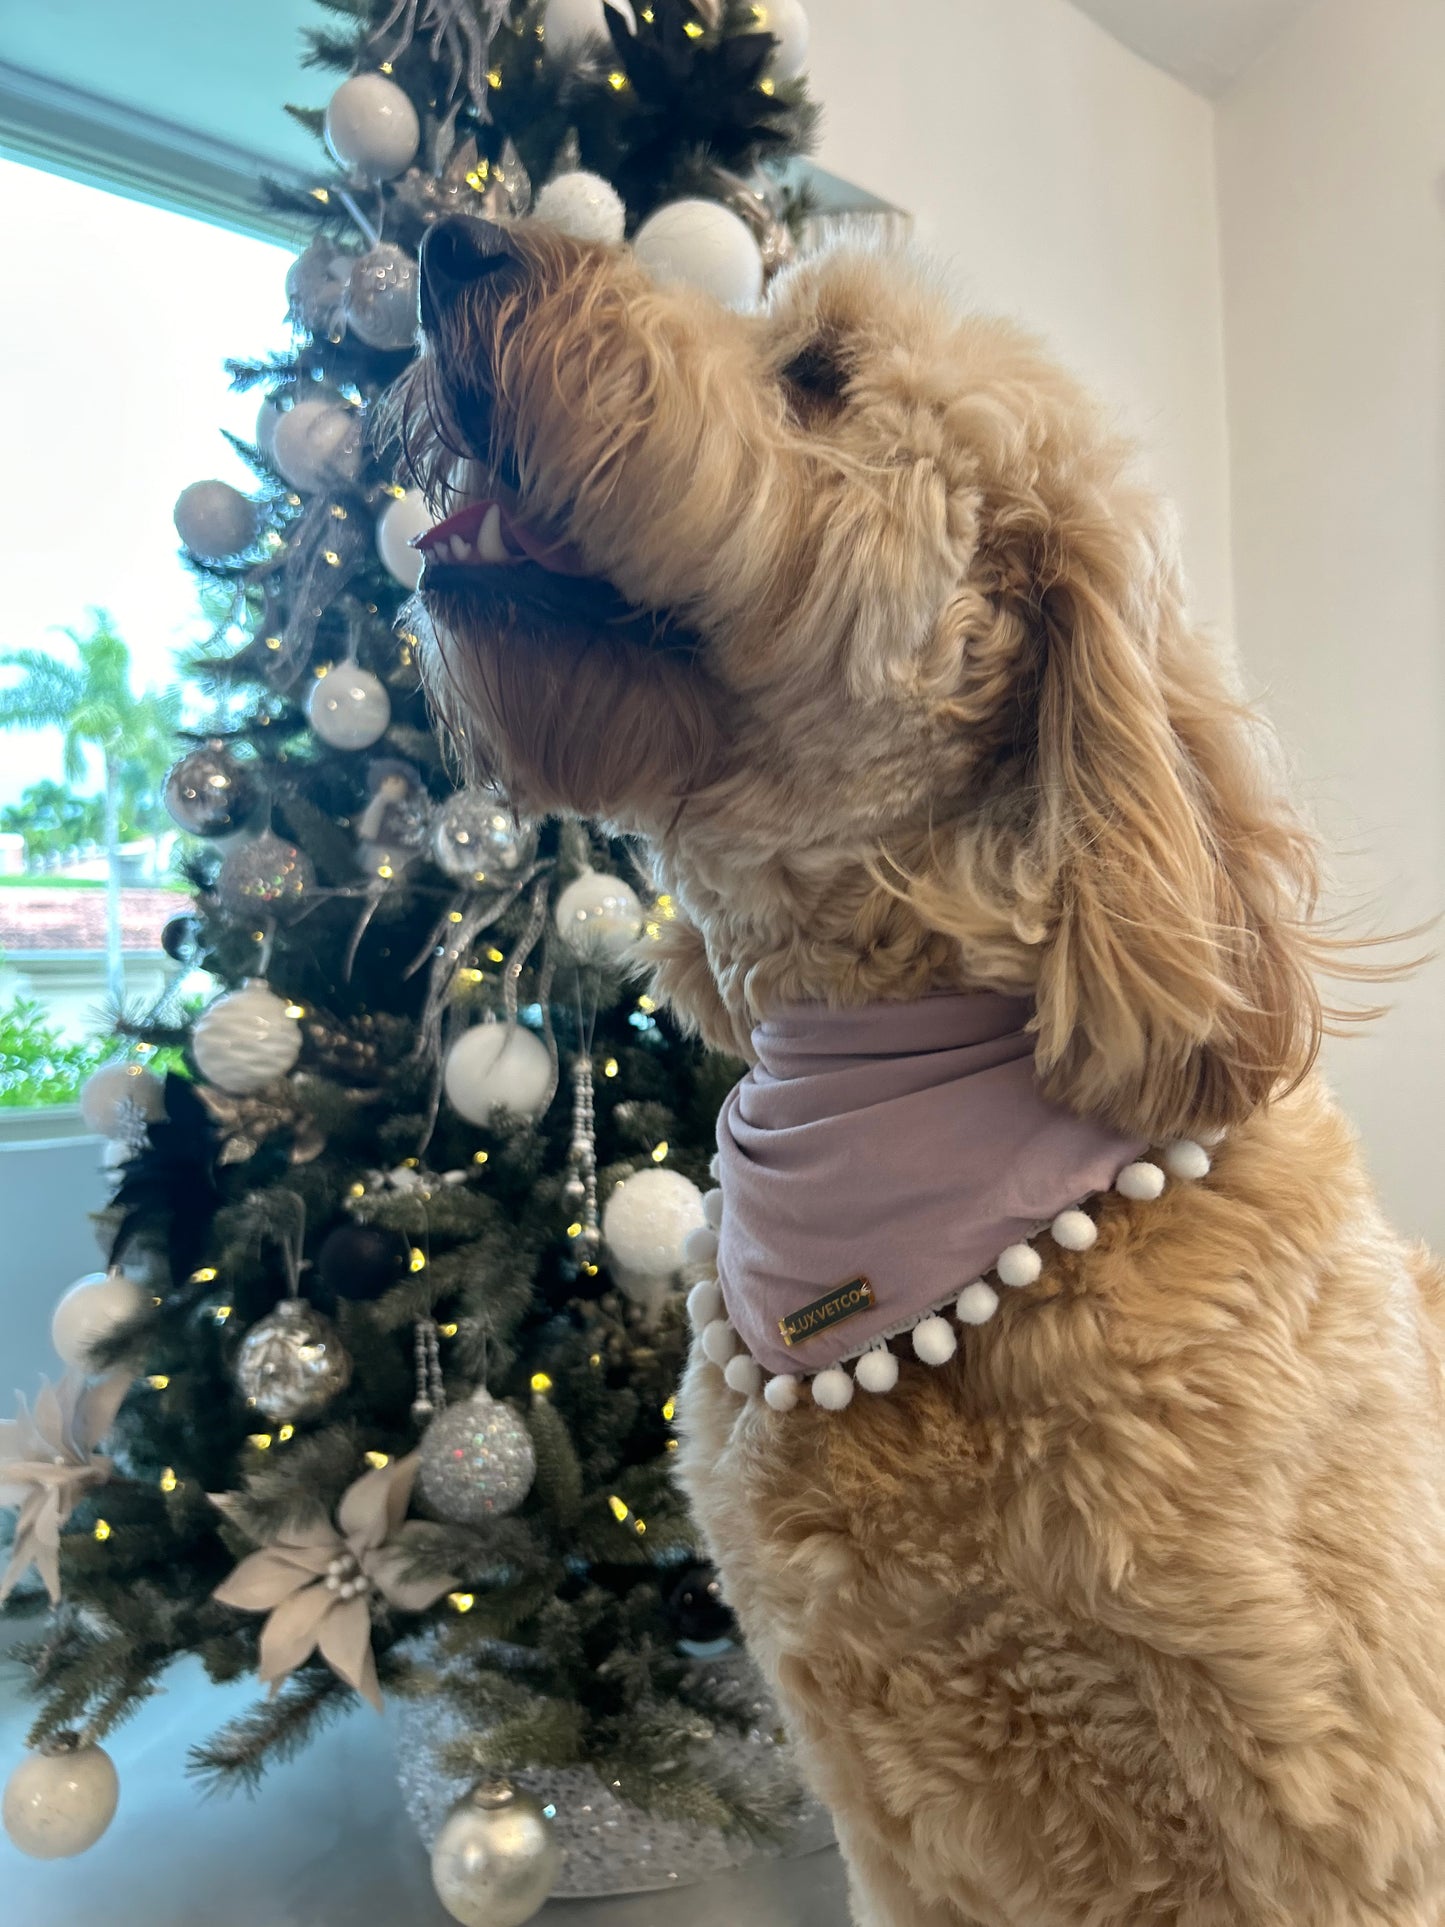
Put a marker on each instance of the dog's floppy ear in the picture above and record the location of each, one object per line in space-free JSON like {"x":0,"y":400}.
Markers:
{"x":1175,"y":987}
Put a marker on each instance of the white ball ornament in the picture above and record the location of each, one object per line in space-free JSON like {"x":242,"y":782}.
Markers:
{"x":348,"y":707}
{"x":382,"y":297}
{"x":372,"y":126}
{"x":584,"y":206}
{"x":599,"y":917}
{"x":246,"y":1039}
{"x":877,"y":1371}
{"x":61,"y":1799}
{"x":647,"y":1220}
{"x":702,"y":244}
{"x":112,"y":1097}
{"x":404,"y":518}
{"x":498,"y":1067}
{"x":215,"y":521}
{"x":94,"y":1307}
{"x":786,"y":21}
{"x":495,"y":1858}
{"x":568,"y":25}
{"x":317,"y":443}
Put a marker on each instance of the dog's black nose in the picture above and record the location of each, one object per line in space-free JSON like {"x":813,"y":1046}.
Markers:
{"x":456,"y":254}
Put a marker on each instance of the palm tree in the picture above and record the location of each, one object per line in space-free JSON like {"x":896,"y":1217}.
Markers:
{"x":92,"y":703}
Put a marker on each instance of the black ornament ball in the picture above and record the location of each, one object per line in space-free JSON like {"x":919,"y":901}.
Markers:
{"x":181,"y":939}
{"x":209,"y":792}
{"x":358,"y":1261}
{"x":697,"y":1608}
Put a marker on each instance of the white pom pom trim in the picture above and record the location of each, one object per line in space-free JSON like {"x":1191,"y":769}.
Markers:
{"x":1186,"y":1159}
{"x":712,"y":1207}
{"x":1141,"y":1182}
{"x":1074,"y":1230}
{"x":877,"y":1371}
{"x":935,"y":1341}
{"x":699,"y":1247}
{"x":977,"y":1303}
{"x":1018,"y":1266}
{"x":781,"y":1392}
{"x":704,"y":1304}
{"x":714,"y":1166}
{"x":833,"y":1389}
{"x":744,"y":1375}
{"x":719,"y":1341}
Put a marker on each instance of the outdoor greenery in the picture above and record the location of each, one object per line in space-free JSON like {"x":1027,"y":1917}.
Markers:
{"x":38,"y":1066}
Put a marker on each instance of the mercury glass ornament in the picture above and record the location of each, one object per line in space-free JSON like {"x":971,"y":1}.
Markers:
{"x":475,"y":834}
{"x":209,"y":793}
{"x":372,"y":126}
{"x":477,"y":1461}
{"x":599,"y":917}
{"x":382,"y":297}
{"x":349,"y":707}
{"x":246,"y":1039}
{"x":316,"y":289}
{"x":267,"y":874}
{"x":293,"y":1363}
{"x":215,"y":521}
{"x":496,"y":1857}
{"x":61,"y":1799}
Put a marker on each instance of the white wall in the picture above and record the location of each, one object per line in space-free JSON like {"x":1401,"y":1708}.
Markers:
{"x":1331,"y":153}
{"x":1069,"y":184}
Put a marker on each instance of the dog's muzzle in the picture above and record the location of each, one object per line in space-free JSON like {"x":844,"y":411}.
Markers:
{"x":459,"y":254}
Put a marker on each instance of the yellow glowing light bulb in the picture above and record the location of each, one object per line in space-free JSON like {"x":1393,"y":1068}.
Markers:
{"x":617,"y":80}
{"x":609,"y":1069}
{"x":494,"y":76}
{"x":669,"y":1411}
{"x":222,"y":1313}
{"x":595,"y":1359}
{"x":619,"y":1509}
{"x":376,"y":1460}
{"x":693,"y":29}
{"x":417,"y":1260}
{"x":495,"y":956}
{"x":454,"y":916}
{"x":261,"y":1440}
{"x":659,"y":1152}
{"x":102,"y":1529}
{"x":204,"y":1275}
{"x":541,"y":1382}
{"x":646,"y":1003}
{"x":461,"y":1602}
{"x":169,"y":1481}
{"x":357,"y":1190}
{"x":574,"y":1230}
{"x":767,"y":85}
{"x":158,"y":1381}
{"x":479,"y":1157}
{"x":450,"y":1329}
{"x":286,"y":1432}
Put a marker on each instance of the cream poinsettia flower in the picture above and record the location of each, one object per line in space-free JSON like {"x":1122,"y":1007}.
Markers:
{"x":48,"y":1462}
{"x":317,"y":1582}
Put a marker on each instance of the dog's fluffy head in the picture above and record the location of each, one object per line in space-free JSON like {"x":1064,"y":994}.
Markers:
{"x":868,"y":634}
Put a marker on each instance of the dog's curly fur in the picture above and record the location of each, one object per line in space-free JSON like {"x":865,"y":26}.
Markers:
{"x":1135,"y":1612}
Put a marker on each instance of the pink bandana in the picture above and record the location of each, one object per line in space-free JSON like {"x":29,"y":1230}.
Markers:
{"x":877,"y":1160}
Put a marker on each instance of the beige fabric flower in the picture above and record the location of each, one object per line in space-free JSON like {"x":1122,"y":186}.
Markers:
{"x":316,"y":1583}
{"x":48,"y":1462}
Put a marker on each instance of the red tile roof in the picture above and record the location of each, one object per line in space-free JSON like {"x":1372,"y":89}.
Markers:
{"x":41,"y":919}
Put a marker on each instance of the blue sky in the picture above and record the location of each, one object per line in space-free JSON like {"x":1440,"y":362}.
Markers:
{"x":114,"y":324}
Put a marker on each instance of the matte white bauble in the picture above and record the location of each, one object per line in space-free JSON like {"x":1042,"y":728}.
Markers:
{"x":702,"y":244}
{"x":317,"y":443}
{"x":214,"y":520}
{"x":498,"y":1067}
{"x":570,"y":24}
{"x":60,"y":1800}
{"x":246,"y":1039}
{"x":113,"y":1096}
{"x":372,"y":126}
{"x":94,"y":1307}
{"x":584,"y":206}
{"x":646,"y":1221}
{"x":404,"y":517}
{"x":268,"y":415}
{"x":786,"y":21}
{"x":349,"y":707}
{"x":598,"y":917}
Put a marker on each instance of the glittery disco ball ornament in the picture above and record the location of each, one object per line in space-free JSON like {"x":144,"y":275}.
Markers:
{"x":646,"y":1221}
{"x":404,"y":517}
{"x":702,"y":244}
{"x":570,"y":24}
{"x":116,"y":1096}
{"x":496,"y":1857}
{"x":584,"y":206}
{"x":293,"y":1363}
{"x":246,"y":1039}
{"x":381,"y":297}
{"x":372,"y":126}
{"x":786,"y":21}
{"x":476,"y":835}
{"x":318,"y":443}
{"x":95,"y":1307}
{"x":215,"y":521}
{"x":498,"y":1067}
{"x":477,"y":1462}
{"x":209,"y":793}
{"x":267,"y":876}
{"x":349,"y":707}
{"x":316,"y":288}
{"x":61,"y":1799}
{"x":599,"y":917}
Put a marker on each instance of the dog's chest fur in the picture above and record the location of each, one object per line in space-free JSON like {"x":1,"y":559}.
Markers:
{"x":1060,"y":1626}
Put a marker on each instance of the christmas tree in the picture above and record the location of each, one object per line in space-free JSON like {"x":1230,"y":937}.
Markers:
{"x":380,"y":1377}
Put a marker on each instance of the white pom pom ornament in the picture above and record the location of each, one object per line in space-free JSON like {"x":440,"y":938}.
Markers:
{"x":584,"y":206}
{"x":1019,"y":1265}
{"x":1075,"y":1231}
{"x":719,"y":1341}
{"x":647,"y":1220}
{"x":704,"y":1304}
{"x":246,"y":1039}
{"x":935,"y":1341}
{"x":877,"y":1371}
{"x":743,"y":1374}
{"x":977,"y":1303}
{"x":1186,"y":1159}
{"x":782,"y":1392}
{"x":702,"y":244}
{"x":833,"y":1389}
{"x":1140,"y":1182}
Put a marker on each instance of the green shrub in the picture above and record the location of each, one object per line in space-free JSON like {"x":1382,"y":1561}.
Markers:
{"x":37,"y":1064}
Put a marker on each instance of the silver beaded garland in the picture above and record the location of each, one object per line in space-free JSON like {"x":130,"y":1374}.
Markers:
{"x":292,"y":1363}
{"x":581,"y":1185}
{"x":477,"y":1462}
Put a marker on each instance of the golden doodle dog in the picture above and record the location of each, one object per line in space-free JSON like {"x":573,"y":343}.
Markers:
{"x":1089,"y":1517}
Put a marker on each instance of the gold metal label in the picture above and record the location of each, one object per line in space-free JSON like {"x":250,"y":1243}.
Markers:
{"x":844,"y":1301}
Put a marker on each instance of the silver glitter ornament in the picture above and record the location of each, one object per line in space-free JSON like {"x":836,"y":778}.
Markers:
{"x":209,"y":793}
{"x":381,"y":297}
{"x":477,"y":1462}
{"x":293,"y":1363}
{"x":496,"y":1857}
{"x":267,"y":875}
{"x":476,"y":835}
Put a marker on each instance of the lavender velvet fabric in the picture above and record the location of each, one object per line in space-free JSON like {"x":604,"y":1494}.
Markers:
{"x":907,"y":1144}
